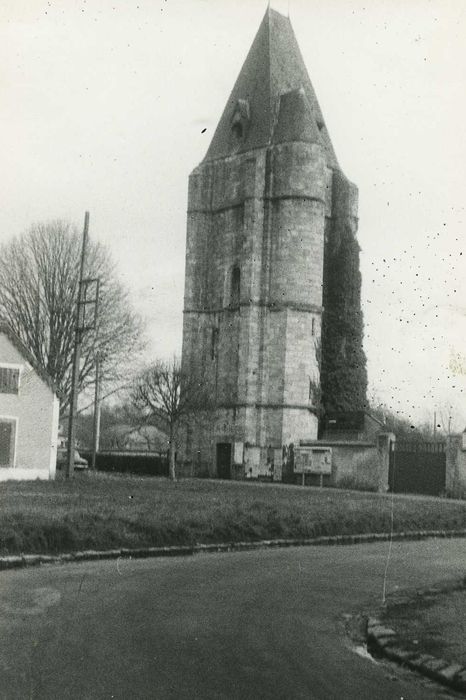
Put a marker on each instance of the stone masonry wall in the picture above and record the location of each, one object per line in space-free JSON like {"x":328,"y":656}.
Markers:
{"x":264,"y":214}
{"x":358,"y":464}
{"x":455,"y":481}
{"x":260,"y":216}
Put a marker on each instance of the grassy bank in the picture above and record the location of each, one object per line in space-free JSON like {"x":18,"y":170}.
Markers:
{"x":100,"y":511}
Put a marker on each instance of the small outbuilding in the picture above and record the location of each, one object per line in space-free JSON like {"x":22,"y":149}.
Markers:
{"x":29,"y":411}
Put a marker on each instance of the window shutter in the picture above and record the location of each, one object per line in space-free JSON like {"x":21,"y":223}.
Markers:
{"x":6,"y":444}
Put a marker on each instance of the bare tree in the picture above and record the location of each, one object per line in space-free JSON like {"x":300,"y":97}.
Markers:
{"x":39,"y":276}
{"x":448,"y":418}
{"x":166,"y":392}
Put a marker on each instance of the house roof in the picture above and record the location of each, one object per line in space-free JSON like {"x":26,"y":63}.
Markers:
{"x":274,"y":67}
{"x":16,"y":341}
{"x":124,"y":433}
{"x":118,"y":430}
{"x":150,"y":432}
{"x":123,"y":430}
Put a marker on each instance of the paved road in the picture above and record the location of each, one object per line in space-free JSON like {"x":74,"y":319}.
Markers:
{"x":246,"y":625}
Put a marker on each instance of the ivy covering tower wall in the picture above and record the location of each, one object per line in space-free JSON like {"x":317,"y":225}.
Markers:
{"x":343,"y":366}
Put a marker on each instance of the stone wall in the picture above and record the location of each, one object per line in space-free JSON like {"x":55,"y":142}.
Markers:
{"x":455,"y":477}
{"x":356,"y":464}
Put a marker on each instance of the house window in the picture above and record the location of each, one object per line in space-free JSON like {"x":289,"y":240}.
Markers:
{"x":235,"y":286}
{"x":7,"y":442}
{"x":9,"y":380}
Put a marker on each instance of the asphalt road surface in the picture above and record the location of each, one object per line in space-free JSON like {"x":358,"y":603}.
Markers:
{"x":263,"y":624}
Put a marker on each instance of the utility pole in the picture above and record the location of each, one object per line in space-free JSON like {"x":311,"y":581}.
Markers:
{"x":96,"y":437}
{"x":76,"y":356}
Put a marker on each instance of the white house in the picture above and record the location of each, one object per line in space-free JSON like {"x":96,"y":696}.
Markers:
{"x":29,"y":410}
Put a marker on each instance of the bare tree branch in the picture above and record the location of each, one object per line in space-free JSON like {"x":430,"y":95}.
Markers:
{"x":39,"y":274}
{"x":165,"y":391}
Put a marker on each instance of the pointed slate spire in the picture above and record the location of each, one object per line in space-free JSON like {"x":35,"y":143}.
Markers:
{"x":274,"y":67}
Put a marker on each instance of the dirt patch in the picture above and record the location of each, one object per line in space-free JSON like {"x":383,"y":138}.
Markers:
{"x":431,"y":621}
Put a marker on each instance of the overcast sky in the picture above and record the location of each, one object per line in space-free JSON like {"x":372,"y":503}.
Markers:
{"x":108,"y":106}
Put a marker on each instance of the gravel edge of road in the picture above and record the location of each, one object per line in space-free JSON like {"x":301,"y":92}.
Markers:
{"x":22,"y":560}
{"x":384,"y":641}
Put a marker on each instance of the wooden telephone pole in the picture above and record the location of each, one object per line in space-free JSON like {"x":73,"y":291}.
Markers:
{"x":86,"y":320}
{"x":76,"y":356}
{"x":96,"y":436}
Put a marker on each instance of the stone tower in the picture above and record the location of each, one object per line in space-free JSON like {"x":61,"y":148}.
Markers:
{"x":262,"y":204}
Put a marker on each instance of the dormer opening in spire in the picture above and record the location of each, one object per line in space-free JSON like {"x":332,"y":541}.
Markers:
{"x":240,"y":119}
{"x":237,"y":130}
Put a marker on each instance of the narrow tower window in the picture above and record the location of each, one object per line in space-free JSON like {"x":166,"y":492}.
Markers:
{"x":235,"y":286}
{"x":214,"y":343}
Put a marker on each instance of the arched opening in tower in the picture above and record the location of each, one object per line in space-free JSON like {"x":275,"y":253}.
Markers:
{"x":235,"y":286}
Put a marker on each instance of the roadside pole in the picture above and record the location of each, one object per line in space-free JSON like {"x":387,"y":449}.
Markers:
{"x":96,"y":436}
{"x":76,"y":357}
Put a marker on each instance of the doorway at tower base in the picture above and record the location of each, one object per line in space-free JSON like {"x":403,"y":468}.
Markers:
{"x":236,"y":460}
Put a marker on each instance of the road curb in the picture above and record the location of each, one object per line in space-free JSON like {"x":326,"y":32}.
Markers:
{"x":384,"y":641}
{"x":23,"y":560}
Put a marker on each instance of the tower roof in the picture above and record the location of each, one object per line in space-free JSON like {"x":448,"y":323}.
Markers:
{"x":274,"y":67}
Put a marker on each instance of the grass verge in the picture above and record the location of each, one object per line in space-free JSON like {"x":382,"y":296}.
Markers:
{"x":102,"y":511}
